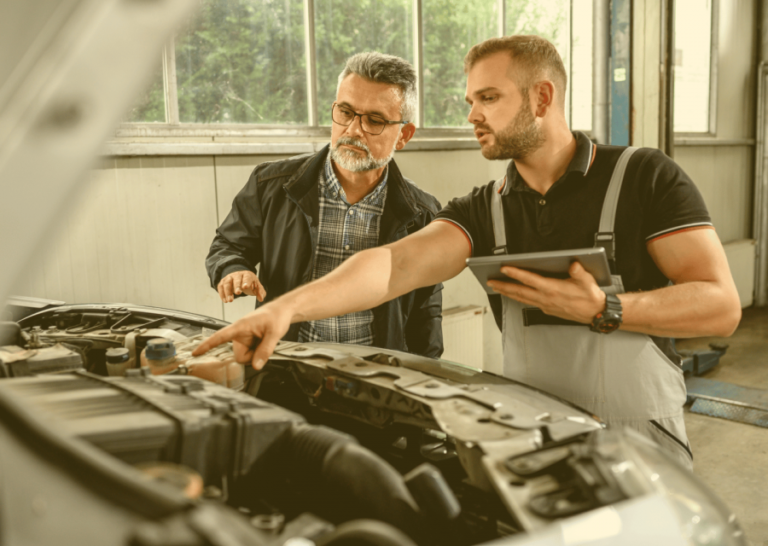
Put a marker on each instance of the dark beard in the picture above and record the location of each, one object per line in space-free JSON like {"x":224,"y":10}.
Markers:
{"x":518,"y":139}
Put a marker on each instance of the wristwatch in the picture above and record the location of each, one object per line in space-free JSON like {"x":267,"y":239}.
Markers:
{"x":609,"y":319}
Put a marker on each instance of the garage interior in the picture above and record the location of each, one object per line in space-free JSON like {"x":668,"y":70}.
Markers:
{"x":137,"y":226}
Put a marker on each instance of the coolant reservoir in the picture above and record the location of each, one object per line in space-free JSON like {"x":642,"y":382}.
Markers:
{"x":208,"y":367}
{"x":160,"y":356}
{"x":217,"y":365}
{"x":118,"y":360}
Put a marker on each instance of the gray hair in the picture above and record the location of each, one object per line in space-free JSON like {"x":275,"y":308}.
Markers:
{"x":383,"y":68}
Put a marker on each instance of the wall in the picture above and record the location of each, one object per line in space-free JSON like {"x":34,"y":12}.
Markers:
{"x":725,"y":171}
{"x":722,"y":165}
{"x":142,"y":226}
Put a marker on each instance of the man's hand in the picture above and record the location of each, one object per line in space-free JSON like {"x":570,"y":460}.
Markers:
{"x":240,"y":282}
{"x":578,"y":298}
{"x":254,"y":337}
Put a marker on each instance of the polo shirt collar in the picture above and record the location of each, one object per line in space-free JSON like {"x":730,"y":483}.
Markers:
{"x":580,"y":163}
{"x":333,"y":187}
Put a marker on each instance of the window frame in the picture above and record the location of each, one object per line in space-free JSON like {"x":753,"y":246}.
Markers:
{"x":174,"y":130}
{"x":711,"y":132}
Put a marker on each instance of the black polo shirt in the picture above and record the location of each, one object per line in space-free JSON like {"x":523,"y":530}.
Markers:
{"x":657,"y":199}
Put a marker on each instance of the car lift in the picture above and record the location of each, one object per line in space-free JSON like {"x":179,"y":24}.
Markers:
{"x":718,"y":399}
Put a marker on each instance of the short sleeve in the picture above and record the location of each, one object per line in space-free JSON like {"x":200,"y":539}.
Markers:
{"x":673,"y":201}
{"x":471,"y":214}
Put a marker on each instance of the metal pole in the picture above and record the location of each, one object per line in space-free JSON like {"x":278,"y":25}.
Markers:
{"x":601,"y":81}
{"x":667,"y":79}
{"x":760,"y":223}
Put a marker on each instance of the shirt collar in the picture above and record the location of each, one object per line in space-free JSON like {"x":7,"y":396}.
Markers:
{"x":334,"y":189}
{"x":581,"y":163}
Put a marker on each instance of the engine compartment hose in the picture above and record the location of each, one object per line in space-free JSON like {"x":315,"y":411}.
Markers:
{"x":432,"y":493}
{"x":365,"y":532}
{"x":354,"y":480}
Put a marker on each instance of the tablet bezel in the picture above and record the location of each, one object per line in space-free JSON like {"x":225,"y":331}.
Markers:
{"x":553,"y":263}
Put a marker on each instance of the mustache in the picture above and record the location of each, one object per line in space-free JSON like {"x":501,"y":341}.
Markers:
{"x":482,"y":127}
{"x":352,"y":142}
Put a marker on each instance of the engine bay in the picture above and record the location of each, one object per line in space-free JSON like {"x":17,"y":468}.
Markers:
{"x":327,"y":441}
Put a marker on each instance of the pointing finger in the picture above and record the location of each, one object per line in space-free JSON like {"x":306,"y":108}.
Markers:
{"x":227,"y":333}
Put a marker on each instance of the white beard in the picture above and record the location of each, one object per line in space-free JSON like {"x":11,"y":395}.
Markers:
{"x":351,"y":161}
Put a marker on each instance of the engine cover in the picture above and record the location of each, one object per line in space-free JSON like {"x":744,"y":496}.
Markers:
{"x":141,"y":418}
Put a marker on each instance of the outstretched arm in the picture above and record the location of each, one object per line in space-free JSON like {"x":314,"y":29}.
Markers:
{"x":432,"y":255}
{"x":702,"y":301}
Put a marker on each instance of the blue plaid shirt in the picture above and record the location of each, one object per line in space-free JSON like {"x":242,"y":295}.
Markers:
{"x":344,"y":230}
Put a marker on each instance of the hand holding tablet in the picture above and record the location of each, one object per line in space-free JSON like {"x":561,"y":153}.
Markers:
{"x":553,"y":264}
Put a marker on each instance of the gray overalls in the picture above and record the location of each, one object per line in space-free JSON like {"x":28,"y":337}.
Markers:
{"x":622,"y":377}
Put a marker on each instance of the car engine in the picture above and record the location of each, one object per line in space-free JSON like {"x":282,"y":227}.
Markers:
{"x":328,"y":444}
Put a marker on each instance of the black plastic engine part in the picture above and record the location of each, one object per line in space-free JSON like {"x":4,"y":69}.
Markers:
{"x":10,"y":334}
{"x":346,"y":480}
{"x":18,"y":362}
{"x":365,"y":533}
{"x":211,"y":429}
{"x":432,"y":493}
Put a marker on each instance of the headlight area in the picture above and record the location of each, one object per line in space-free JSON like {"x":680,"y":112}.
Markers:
{"x":704,"y":519}
{"x":606,"y":475}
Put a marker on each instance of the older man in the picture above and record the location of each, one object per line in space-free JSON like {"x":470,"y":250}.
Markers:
{"x":300,"y":218}
{"x":609,"y":353}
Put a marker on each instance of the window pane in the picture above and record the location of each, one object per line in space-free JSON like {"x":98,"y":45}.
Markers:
{"x":151,"y":107}
{"x":693,"y":50}
{"x":549,"y":19}
{"x":546,"y":18}
{"x":581,"y":66}
{"x":346,"y":27}
{"x":242,"y":61}
{"x":451,"y":27}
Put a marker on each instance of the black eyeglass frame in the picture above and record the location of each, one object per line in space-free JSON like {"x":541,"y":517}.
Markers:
{"x":355,"y":114}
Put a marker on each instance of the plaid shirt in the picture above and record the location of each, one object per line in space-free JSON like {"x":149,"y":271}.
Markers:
{"x":344,"y":230}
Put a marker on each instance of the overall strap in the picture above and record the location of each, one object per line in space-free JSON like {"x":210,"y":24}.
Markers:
{"x":605,"y":236}
{"x":497,"y":215}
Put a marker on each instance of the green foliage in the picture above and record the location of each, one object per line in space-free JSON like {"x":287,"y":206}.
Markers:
{"x":346,"y":27}
{"x":451,"y":27}
{"x":243,"y":61}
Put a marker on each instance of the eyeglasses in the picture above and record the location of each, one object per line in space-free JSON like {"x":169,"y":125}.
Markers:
{"x":371,"y":123}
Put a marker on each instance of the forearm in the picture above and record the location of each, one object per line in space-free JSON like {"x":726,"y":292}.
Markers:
{"x":362,"y":282}
{"x":689,"y":309}
{"x":370,"y":278}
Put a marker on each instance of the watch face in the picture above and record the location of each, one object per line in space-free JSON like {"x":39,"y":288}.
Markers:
{"x":608,"y":325}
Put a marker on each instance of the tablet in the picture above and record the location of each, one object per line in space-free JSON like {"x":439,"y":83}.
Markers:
{"x":548,"y":264}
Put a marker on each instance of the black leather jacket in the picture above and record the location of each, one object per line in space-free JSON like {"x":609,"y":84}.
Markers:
{"x":274,"y":220}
